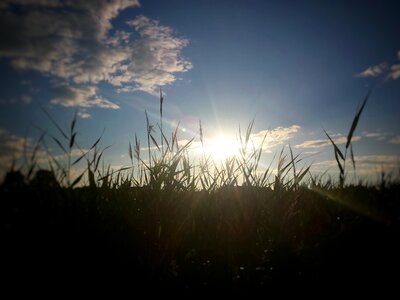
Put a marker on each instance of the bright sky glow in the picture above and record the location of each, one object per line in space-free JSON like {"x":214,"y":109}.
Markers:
{"x":222,"y":147}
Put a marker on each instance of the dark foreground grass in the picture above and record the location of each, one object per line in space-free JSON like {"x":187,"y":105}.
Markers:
{"x":236,"y":238}
{"x":171,"y":224}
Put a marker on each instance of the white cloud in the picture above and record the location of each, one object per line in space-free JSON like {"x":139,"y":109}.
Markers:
{"x":373,"y":134}
{"x":12,"y":144}
{"x":84,"y":115}
{"x":12,"y":149}
{"x":75,"y":153}
{"x":155,"y":57}
{"x":374,"y":71}
{"x":390,"y":71}
{"x":395,"y":140}
{"x":80,"y":47}
{"x":378,"y":159}
{"x":382,"y":136}
{"x":365,"y":164}
{"x":274,"y":137}
{"x":378,"y":135}
{"x":325,"y":142}
{"x":85,"y":97}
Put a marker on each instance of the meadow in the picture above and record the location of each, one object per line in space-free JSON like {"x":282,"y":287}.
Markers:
{"x":169,"y":221}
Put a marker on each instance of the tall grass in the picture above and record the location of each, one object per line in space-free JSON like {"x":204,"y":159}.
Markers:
{"x":339,"y":156}
{"x":169,"y":219}
{"x":172,"y":166}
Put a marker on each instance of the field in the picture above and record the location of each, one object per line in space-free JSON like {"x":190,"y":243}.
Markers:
{"x":158,"y":223}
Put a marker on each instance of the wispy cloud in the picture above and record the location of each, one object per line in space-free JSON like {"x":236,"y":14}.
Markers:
{"x":12,"y":144}
{"x":366,"y":164}
{"x":64,"y":157}
{"x":84,"y":115}
{"x":12,"y":148}
{"x":274,"y":137}
{"x":86,"y":97}
{"x":15,"y":148}
{"x":374,"y":71}
{"x":325,"y":142}
{"x":24,"y":99}
{"x":383,"y":69}
{"x":395,"y":140}
{"x":82,"y":48}
{"x":155,"y":57}
{"x":383,"y":136}
{"x":377,"y":135}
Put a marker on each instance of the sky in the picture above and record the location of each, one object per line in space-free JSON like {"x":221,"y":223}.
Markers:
{"x":296,"y":68}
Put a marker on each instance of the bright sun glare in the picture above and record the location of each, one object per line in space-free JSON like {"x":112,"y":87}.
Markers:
{"x":222,"y":147}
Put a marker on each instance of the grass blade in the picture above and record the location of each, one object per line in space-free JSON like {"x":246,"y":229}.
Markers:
{"x":352,"y":157}
{"x":130,"y":152}
{"x":76,"y":181}
{"x":72,"y":140}
{"x":248,"y":132}
{"x":161,"y":103}
{"x":92,"y":182}
{"x":154,"y":142}
{"x":337,"y":150}
{"x":175,"y":136}
{"x":79,"y":159}
{"x":201,"y":134}
{"x":97,"y":141}
{"x":73,"y":123}
{"x":148,"y":135}
{"x":293,"y":164}
{"x":302,"y":174}
{"x":356,"y":119}
{"x":59,"y":144}
{"x":98,"y":158}
{"x":161,"y":120}
{"x":108,"y":174}
{"x":163,"y":139}
{"x":54,"y":122}
{"x":338,"y":162}
{"x":137,"y":148}
{"x":35,"y":150}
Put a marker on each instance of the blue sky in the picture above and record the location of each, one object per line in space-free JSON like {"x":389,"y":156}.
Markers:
{"x":296,"y":67}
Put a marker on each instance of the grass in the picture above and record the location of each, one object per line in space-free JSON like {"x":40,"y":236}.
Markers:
{"x":167,"y":221}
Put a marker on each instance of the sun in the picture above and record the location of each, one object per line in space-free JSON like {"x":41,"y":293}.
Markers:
{"x":222,"y":147}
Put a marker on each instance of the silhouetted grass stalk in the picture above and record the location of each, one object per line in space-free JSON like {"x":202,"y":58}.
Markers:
{"x":340,"y":158}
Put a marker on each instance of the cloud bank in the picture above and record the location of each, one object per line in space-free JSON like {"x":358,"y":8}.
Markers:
{"x":75,"y":41}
